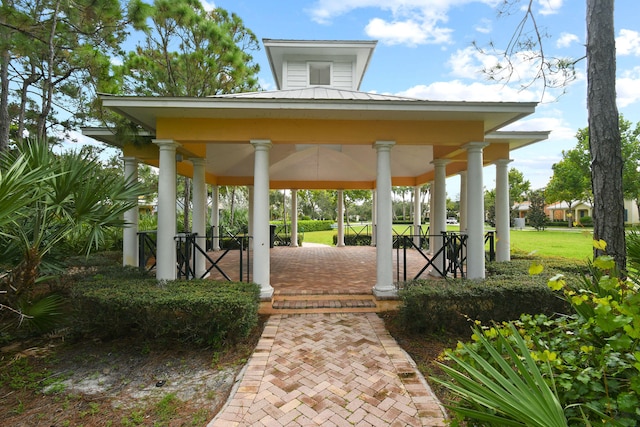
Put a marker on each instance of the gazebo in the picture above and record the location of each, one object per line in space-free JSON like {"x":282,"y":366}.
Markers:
{"x":318,"y":131}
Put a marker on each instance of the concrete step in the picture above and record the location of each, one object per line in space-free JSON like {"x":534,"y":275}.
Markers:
{"x":333,"y":303}
{"x":326,"y":303}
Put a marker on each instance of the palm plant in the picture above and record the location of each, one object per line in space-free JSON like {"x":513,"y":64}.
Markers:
{"x":503,"y":391}
{"x":57,"y":196}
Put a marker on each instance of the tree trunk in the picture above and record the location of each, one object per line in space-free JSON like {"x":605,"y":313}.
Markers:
{"x":604,"y":132}
{"x":47,"y":86}
{"x":24,"y":99}
{"x":4,"y":100}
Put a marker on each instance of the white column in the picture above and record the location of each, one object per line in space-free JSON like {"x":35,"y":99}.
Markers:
{"x":166,"y":268}
{"x":503,"y":219}
{"x":439,"y":214}
{"x":215,"y":216}
{"x":475,"y":204}
{"x":294,"y":218}
{"x":340,"y":242}
{"x":432,"y":236}
{"x":261,"y":261}
{"x":384,"y":237}
{"x":417,"y":216}
{"x":199,"y":216}
{"x":463,"y":202}
{"x":130,"y":232}
{"x":374,"y":219}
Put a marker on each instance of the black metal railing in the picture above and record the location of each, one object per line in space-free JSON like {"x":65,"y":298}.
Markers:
{"x":449,"y":260}
{"x":147,"y":249}
{"x":358,"y":230}
{"x":189,"y":245}
{"x":489,"y":238}
{"x":437,"y":261}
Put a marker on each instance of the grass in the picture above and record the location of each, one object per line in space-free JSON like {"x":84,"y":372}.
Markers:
{"x":566,"y":244}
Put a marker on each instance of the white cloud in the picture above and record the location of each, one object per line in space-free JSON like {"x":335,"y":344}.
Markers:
{"x":208,"y":5}
{"x":485,"y":26}
{"x":469,"y":63}
{"x":458,"y":91}
{"x":628,"y":87}
{"x":628,"y":43}
{"x":535,"y":161}
{"x":549,"y":7}
{"x":408,"y":32}
{"x":523,"y":72}
{"x":407,"y":21}
{"x":566,"y":39}
{"x":560,"y":129}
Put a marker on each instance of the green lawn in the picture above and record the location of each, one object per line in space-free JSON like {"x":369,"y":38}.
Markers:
{"x":568,"y":244}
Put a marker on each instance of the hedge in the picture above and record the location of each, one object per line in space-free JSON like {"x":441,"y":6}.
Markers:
{"x":201,"y":312}
{"x":354,"y":239}
{"x":452,"y":305}
{"x":507,"y":292}
{"x":309,"y":225}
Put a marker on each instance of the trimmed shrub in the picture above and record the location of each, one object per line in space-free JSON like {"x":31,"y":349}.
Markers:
{"x":201,"y":312}
{"x":285,"y":240}
{"x":313,"y":225}
{"x":354,"y":239}
{"x":586,"y":221}
{"x":453,"y":305}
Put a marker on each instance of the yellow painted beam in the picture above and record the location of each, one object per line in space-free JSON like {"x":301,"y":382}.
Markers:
{"x":308,"y":131}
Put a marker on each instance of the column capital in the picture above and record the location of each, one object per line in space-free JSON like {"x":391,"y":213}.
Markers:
{"x":261,"y":144}
{"x":502,"y":162}
{"x":462,"y":173}
{"x":383,"y":145}
{"x":129,"y":159}
{"x":440,"y":162}
{"x":197,"y":161}
{"x":475,"y":146}
{"x":166,"y":144}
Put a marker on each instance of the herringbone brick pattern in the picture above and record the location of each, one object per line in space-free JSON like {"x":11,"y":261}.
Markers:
{"x":330,"y":370}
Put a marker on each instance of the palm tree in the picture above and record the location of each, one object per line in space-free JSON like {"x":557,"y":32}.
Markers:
{"x":72,"y":196}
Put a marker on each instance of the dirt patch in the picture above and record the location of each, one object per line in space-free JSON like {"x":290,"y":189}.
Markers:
{"x":117,"y":383}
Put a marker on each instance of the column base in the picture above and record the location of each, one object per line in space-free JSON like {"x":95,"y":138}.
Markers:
{"x":385,"y":292}
{"x":266,"y":292}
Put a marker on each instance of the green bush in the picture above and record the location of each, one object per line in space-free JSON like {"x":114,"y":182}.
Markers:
{"x":586,"y":221}
{"x":201,"y":312}
{"x":453,"y":305}
{"x":312,"y":225}
{"x":507,"y":292}
{"x":589,"y":358}
{"x":233,"y":243}
{"x":285,"y":240}
{"x":354,"y":239}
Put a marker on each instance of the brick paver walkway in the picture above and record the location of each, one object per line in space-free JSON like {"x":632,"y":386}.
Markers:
{"x":323,"y":270}
{"x":330,"y":370}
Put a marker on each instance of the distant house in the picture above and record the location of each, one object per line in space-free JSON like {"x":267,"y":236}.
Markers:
{"x":521,"y":209}
{"x":560,"y":211}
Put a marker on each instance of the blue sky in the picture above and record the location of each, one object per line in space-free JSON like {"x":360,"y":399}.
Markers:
{"x":425,"y":51}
